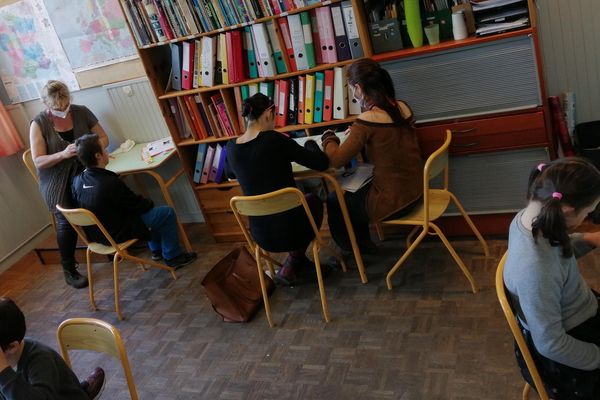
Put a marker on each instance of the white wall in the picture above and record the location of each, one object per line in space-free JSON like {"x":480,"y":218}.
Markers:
{"x":570,"y":41}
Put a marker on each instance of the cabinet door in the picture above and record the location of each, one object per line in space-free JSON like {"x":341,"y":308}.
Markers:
{"x":485,"y":78}
{"x":493,"y":182}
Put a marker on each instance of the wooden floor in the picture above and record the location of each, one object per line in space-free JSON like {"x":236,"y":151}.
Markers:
{"x":429,"y":338}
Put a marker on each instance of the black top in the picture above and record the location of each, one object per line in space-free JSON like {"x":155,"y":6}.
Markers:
{"x":116,"y":206}
{"x":41,"y":375}
{"x":263,"y":165}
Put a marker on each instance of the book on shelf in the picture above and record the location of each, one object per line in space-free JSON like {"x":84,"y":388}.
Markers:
{"x":200,"y":155}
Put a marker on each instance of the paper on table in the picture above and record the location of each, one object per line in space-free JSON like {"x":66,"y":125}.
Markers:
{"x":317,"y":138}
{"x":159,"y":146}
{"x":353,"y":180}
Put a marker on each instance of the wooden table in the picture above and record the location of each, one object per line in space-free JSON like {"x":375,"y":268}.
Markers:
{"x":301,"y":172}
{"x":131,"y":163}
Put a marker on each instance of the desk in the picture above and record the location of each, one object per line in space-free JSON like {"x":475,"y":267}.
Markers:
{"x":301,"y":172}
{"x":131,"y":162}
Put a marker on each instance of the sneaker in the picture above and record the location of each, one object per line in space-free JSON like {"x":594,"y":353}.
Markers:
{"x":157,"y":255}
{"x":286,"y":276}
{"x":94,"y":384}
{"x":74,"y":278}
{"x":182,"y":260}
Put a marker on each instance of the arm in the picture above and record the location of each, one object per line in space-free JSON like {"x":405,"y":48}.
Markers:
{"x":540,"y":293}
{"x":98,"y":130}
{"x":309,"y":156}
{"x":39,"y":151}
{"x":43,"y":381}
{"x":127,"y":200}
{"x":340,"y":155}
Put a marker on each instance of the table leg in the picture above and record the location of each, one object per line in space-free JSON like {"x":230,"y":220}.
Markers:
{"x":340,"y":195}
{"x":164,"y":188}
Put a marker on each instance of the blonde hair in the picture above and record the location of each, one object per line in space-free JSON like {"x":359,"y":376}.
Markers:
{"x":54,"y":93}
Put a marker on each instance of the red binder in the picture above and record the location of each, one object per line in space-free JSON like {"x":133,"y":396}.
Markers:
{"x":187,"y":67}
{"x":235,"y":56}
{"x":283,"y":101}
{"x":328,"y":96}
{"x":196,"y":118}
{"x":287,"y":40}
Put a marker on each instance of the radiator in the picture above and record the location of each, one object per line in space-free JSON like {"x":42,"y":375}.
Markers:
{"x":137,"y":110}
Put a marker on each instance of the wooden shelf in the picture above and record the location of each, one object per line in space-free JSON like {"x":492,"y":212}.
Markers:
{"x":256,"y":80}
{"x":238,"y":26}
{"x":213,"y":185}
{"x":289,"y":128}
{"x":192,"y":142}
{"x":447,"y":45}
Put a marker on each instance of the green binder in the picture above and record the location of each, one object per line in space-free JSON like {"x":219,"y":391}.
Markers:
{"x":309,"y":47}
{"x":318,"y":106}
{"x":250,"y":53}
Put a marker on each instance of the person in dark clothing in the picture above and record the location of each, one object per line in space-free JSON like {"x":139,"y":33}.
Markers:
{"x":51,"y":135}
{"x":261,"y":160}
{"x":124,"y":214}
{"x":40,"y":373}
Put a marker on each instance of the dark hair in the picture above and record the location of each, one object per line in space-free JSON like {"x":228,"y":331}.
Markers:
{"x":377,"y":87}
{"x":572,"y":181}
{"x":12,"y":323}
{"x":255,"y":105}
{"x":87,"y":148}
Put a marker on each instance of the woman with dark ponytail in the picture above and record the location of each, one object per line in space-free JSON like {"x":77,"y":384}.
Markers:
{"x":385,"y":130}
{"x":261,"y":160}
{"x":556,"y":308}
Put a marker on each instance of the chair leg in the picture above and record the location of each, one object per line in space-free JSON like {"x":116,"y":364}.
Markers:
{"x":339,"y":259}
{"x":380,"y":233}
{"x":315,"y":247}
{"x":90,"y":279}
{"x":152,"y":263}
{"x":116,"y":259}
{"x":411,"y":234}
{"x":406,"y":254}
{"x":263,"y":287}
{"x":526,"y":390}
{"x":269,"y":263}
{"x":486,"y":250}
{"x":458,"y":260}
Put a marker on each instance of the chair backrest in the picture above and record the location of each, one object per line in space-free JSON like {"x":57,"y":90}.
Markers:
{"x":516,"y":331}
{"x":28,"y":161}
{"x":95,"y":335}
{"x":268,"y":204}
{"x":79,"y":217}
{"x":437,"y":162}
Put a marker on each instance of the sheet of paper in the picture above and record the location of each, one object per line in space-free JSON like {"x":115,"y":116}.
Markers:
{"x":159,"y":146}
{"x":351,"y":181}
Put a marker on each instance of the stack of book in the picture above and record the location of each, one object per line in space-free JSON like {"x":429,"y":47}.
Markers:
{"x":496,"y":16}
{"x":202,"y":121}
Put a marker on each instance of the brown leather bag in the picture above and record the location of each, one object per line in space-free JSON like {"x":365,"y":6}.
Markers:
{"x":233,"y":286}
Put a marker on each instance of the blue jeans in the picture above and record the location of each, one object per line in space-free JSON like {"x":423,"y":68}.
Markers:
{"x":163,"y":226}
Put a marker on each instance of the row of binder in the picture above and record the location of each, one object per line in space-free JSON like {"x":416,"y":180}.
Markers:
{"x":200,"y":121}
{"x":155,"y":21}
{"x":210,"y":163}
{"x":325,"y":35}
{"x":320,"y":97}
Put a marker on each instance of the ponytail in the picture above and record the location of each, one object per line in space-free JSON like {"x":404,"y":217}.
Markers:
{"x":568,"y":181}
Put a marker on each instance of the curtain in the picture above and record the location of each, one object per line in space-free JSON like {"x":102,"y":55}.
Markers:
{"x":10,"y":141}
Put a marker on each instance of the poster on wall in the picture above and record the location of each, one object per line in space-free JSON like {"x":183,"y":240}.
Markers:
{"x":93,"y":33}
{"x":30,"y":52}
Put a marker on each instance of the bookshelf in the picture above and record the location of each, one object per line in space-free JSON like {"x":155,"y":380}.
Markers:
{"x":193,"y":131}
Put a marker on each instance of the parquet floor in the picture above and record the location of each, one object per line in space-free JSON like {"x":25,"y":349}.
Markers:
{"x":429,"y":338}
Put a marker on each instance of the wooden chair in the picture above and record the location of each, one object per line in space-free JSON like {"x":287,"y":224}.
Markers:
{"x":28,"y":161}
{"x":273,"y":203}
{"x":518,"y":335}
{"x":94,"y":335}
{"x":81,"y":217}
{"x":435,"y":203}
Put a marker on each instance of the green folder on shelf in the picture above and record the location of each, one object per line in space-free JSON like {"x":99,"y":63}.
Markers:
{"x":245,"y":91}
{"x":277,"y":52}
{"x":318,"y":106}
{"x":267,"y":88}
{"x":309,"y":47}
{"x":250,"y":53}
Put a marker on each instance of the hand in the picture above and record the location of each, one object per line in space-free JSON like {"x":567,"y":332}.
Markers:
{"x":328,"y":137}
{"x":69,"y":151}
{"x":592,"y":238}
{"x":311,"y":145}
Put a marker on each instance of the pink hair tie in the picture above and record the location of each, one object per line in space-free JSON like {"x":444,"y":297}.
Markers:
{"x":541,"y":166}
{"x":557,"y":195}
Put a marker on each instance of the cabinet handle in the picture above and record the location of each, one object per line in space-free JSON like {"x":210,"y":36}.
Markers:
{"x":469,"y":130}
{"x":472,"y":144}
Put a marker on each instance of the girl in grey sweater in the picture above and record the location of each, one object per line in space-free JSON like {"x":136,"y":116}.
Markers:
{"x":555,"y":306}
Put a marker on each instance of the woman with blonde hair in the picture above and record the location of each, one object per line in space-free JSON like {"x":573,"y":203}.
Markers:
{"x":52,"y":136}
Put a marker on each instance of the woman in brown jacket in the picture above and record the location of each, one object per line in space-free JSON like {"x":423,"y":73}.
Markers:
{"x":385,"y":130}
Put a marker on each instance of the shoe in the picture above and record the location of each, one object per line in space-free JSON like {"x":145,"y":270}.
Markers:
{"x":157,"y":256}
{"x":286,"y":276}
{"x":74,"y":278}
{"x":182,"y":260}
{"x":94,"y":384}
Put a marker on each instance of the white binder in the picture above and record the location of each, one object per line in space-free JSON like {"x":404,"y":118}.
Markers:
{"x":209,"y":56}
{"x":297,"y":36}
{"x":340,"y":93}
{"x":263,"y":51}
